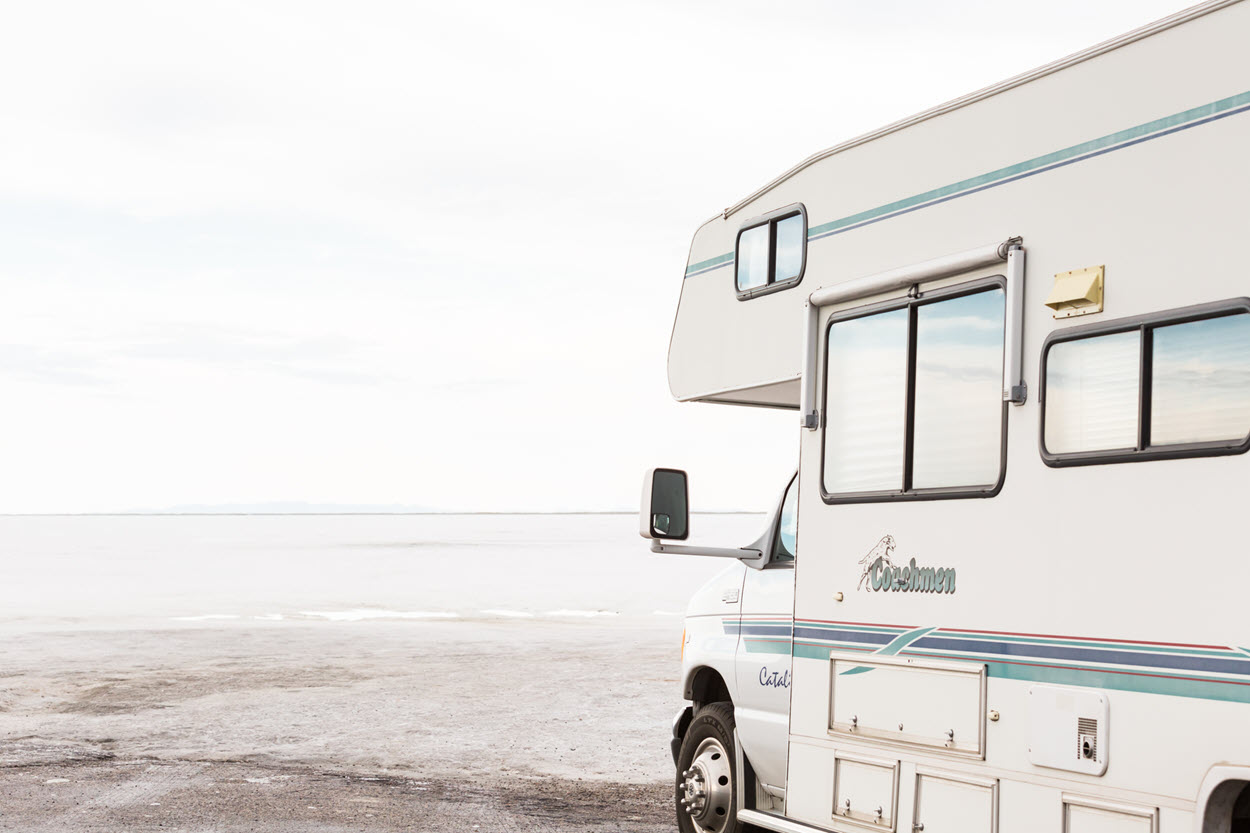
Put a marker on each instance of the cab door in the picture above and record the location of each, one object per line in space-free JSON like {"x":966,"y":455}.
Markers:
{"x":762,"y":660}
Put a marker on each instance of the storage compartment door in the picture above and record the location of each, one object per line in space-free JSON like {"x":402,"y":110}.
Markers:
{"x":864,"y":791}
{"x":1090,"y":815}
{"x":935,"y":704}
{"x":955,"y":804}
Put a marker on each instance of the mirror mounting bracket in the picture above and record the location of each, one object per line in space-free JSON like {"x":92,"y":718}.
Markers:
{"x":718,"y":552}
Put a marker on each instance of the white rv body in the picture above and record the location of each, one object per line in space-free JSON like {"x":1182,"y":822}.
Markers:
{"x":1073,"y":600}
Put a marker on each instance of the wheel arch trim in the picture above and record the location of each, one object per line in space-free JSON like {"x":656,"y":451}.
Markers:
{"x":706,"y":684}
{"x":1220,"y":789}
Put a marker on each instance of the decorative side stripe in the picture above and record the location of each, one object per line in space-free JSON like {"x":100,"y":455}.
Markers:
{"x":710,"y":264}
{"x":1119,"y":140}
{"x":896,"y":646}
{"x":1205,"y":672}
{"x":1099,"y":655}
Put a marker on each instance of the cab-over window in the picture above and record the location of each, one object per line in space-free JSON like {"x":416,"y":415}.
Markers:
{"x":771,"y":252}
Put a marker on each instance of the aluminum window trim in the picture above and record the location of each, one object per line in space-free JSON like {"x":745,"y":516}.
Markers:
{"x":1145,"y":324}
{"x":916,"y":299}
{"x":770,"y":219}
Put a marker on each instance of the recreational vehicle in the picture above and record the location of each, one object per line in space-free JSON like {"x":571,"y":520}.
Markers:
{"x":1005,"y":590}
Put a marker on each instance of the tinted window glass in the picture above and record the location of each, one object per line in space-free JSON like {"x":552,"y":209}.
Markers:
{"x":1092,"y":387}
{"x":753,"y":258}
{"x":1200,"y":389}
{"x":959,"y":401}
{"x":789,"y":248}
{"x":865,"y":399}
{"x":788,"y":531}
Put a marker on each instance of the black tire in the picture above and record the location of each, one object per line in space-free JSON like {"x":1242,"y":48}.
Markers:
{"x":715,"y":721}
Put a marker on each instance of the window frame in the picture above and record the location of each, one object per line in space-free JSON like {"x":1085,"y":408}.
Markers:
{"x":1145,"y":325}
{"x":787,"y":564}
{"x":913,"y":300}
{"x":771,"y":219}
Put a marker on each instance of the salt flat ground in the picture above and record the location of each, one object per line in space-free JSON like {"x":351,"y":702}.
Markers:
{"x":336,"y":673}
{"x":535,"y":726}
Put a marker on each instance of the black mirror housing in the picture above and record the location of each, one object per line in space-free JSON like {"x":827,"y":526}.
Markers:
{"x":665,"y":513}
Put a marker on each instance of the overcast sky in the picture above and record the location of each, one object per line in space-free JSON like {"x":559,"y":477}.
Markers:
{"x":417,"y":253}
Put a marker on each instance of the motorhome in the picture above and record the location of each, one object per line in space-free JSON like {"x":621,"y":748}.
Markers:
{"x":1005,"y":590}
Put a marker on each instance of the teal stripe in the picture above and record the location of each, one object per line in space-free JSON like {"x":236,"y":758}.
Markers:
{"x":1031,"y":641}
{"x":1074,"y":152}
{"x":704,"y":264}
{"x":901,"y":642}
{"x":1090,"y":678}
{"x":1101,"y":143}
{"x":759,"y":647}
{"x":1197,"y":689}
{"x":812,"y":651}
{"x":1045,"y":661}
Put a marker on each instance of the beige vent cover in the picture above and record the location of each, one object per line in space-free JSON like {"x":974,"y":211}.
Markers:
{"x":1078,"y":292}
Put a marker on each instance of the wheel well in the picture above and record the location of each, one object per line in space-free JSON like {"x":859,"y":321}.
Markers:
{"x":1228,"y":808}
{"x":707,"y":686}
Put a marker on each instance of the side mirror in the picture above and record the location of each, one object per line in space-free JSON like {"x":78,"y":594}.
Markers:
{"x":664,"y":513}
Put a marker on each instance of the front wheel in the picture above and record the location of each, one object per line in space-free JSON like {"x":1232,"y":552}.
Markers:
{"x":705,"y":773}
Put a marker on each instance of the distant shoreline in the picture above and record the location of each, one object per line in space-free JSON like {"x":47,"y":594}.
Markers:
{"x":324,"y":514}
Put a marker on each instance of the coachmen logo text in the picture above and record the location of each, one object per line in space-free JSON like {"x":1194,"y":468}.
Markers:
{"x":881,"y":573}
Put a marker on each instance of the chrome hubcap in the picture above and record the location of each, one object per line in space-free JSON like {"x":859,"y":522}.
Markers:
{"x":707,"y":787}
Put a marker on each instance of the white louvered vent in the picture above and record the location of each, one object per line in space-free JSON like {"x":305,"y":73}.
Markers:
{"x":1086,"y":739}
{"x":1054,"y":711}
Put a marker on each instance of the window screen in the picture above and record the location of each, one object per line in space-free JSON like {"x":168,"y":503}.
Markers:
{"x":913,"y":398}
{"x":1092,"y":393}
{"x":1161,"y":387}
{"x":865,"y":403}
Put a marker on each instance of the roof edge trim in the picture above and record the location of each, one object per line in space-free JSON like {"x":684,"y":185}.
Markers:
{"x":1183,"y":16}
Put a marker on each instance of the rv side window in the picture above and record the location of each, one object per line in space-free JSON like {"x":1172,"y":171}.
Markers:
{"x":1157,"y":388}
{"x":1091,"y":401}
{"x":913,"y":399}
{"x":771,"y":252}
{"x":753,"y":258}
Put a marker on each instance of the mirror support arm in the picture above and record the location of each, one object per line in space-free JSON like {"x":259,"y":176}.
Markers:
{"x":718,"y":552}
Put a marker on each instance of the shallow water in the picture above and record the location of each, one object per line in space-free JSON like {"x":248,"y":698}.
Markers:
{"x":127,"y":571}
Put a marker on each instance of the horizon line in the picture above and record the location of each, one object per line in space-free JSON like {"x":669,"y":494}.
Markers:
{"x":298,"y":514}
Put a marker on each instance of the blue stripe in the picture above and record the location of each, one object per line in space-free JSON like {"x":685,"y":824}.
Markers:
{"x":772,"y":630}
{"x":1136,"y":658}
{"x":1149,"y":671}
{"x":845,"y":635}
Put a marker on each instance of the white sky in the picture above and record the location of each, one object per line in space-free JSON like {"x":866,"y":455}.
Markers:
{"x":417,"y":253}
